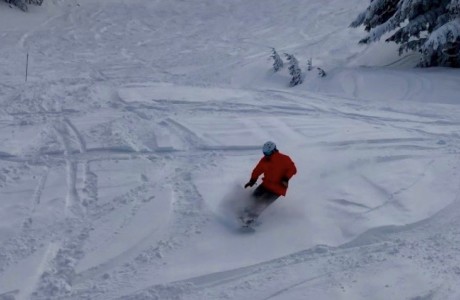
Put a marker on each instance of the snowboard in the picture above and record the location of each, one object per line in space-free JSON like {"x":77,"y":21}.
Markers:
{"x":245,"y":226}
{"x":235,"y":205}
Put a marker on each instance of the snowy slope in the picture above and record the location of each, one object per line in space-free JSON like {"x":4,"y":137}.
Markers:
{"x":141,"y":120}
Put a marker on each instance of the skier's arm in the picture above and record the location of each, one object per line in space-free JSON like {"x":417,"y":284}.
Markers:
{"x":291,"y":170}
{"x":258,"y":170}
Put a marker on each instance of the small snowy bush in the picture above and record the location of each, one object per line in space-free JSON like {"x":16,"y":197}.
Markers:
{"x":310,"y":67}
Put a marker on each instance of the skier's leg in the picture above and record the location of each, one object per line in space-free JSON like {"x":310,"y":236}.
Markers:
{"x":247,"y":215}
{"x":259,"y":192}
{"x":263,"y":202}
{"x":262,"y":198}
{"x":256,"y":198}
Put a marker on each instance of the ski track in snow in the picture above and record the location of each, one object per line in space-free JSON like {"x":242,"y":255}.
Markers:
{"x":113,"y":159}
{"x":342,"y":264}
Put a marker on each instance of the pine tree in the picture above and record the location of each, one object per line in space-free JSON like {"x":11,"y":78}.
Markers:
{"x":443,"y":45}
{"x":277,"y":61}
{"x":428,"y":26}
{"x":294,"y":70}
{"x":22,"y":4}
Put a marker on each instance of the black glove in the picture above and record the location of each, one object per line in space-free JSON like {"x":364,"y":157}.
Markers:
{"x":250,"y":183}
{"x":285,"y":181}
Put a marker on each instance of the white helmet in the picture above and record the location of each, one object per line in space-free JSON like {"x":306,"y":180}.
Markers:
{"x":268,"y":148}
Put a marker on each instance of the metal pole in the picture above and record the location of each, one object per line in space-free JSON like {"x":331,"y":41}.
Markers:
{"x":27,"y":65}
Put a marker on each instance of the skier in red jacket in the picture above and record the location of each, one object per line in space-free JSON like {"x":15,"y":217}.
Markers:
{"x":277,"y":168}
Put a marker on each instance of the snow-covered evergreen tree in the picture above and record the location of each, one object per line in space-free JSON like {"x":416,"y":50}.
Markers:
{"x":22,"y":4}
{"x":277,"y":61}
{"x":443,"y":45}
{"x":429,"y":26}
{"x":294,"y":70}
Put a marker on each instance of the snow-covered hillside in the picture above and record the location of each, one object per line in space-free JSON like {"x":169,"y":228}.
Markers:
{"x":141,"y":121}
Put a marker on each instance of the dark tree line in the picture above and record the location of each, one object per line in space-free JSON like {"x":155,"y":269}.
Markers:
{"x":22,"y":4}
{"x":429,"y":26}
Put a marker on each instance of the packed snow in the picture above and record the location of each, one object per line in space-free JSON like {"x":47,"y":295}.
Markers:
{"x":141,"y":121}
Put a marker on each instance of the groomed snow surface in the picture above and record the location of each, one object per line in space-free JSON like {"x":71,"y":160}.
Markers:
{"x":141,"y":120}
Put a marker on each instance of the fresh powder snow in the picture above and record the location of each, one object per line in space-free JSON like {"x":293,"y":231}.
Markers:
{"x":123,"y":154}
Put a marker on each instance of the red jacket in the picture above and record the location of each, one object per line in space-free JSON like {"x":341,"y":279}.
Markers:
{"x":274,"y":167}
